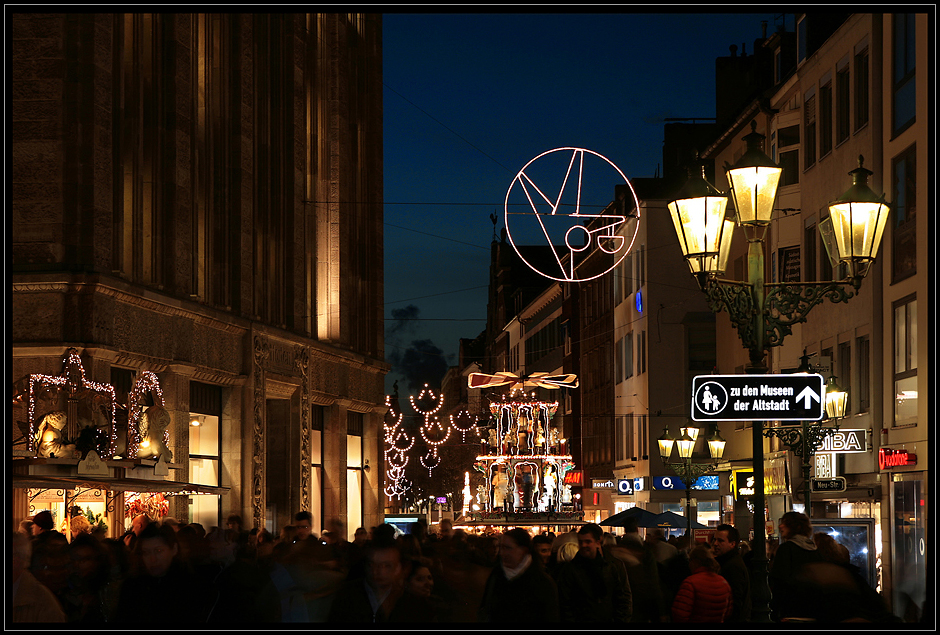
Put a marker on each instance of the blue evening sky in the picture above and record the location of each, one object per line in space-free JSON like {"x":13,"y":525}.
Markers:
{"x":469,"y":99}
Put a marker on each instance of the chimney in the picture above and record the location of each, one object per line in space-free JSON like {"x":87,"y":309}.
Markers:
{"x":763,"y":29}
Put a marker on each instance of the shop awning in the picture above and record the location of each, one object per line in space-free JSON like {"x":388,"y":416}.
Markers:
{"x":170,"y":488}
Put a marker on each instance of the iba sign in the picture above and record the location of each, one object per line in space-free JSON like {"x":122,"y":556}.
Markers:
{"x":757,"y":397}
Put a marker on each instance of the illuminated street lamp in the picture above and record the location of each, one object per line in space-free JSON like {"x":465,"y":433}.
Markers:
{"x":763,"y":313}
{"x":685,"y":469}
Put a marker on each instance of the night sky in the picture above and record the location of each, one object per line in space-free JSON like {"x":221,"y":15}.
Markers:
{"x":469,"y":99}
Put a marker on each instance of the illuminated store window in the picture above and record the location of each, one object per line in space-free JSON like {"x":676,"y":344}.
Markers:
{"x":905,"y":362}
{"x":205,"y":451}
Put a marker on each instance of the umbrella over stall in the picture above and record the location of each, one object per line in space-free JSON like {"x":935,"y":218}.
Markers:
{"x":672,"y":520}
{"x":643,"y":518}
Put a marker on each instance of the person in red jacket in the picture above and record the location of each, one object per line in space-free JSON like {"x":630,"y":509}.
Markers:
{"x":704,"y":596}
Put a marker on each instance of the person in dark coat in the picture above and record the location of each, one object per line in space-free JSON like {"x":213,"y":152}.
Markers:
{"x":643,"y":574}
{"x":844,"y":595}
{"x":704,"y":596}
{"x":725,"y":545}
{"x":165,"y":592}
{"x":790,"y":593}
{"x":518,"y":589}
{"x":381,"y":596}
{"x":594,"y":587}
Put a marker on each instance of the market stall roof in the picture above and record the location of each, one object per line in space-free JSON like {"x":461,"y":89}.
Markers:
{"x":643,"y":518}
{"x":171,"y":488}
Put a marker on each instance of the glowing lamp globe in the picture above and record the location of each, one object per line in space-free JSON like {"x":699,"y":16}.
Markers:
{"x":698,"y":215}
{"x":666,"y":441}
{"x":754,"y":179}
{"x":836,"y":399}
{"x":858,"y":222}
{"x":685,"y":443}
{"x":716,"y":444}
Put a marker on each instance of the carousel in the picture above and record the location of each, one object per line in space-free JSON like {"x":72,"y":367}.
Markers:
{"x":523,"y":457}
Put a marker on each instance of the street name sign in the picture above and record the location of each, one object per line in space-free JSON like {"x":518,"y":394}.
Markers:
{"x":836,"y":484}
{"x":758,"y":397}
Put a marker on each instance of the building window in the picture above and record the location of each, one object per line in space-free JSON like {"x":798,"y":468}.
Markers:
{"x":903,"y":102}
{"x":809,"y":244}
{"x":354,"y":479}
{"x":789,"y":264}
{"x":908,"y":556}
{"x":316,"y":463}
{"x":620,"y":441}
{"x":845,"y":372}
{"x":628,"y":275}
{"x":631,"y":437}
{"x":863,"y":352}
{"x":205,"y":450}
{"x":861,"y":88}
{"x":801,"y":40}
{"x":825,"y":118}
{"x":904,"y":195}
{"x":618,"y":361}
{"x":642,"y":353}
{"x":628,"y":356}
{"x":788,"y":142}
{"x":809,"y":132}
{"x":842,"y":104}
{"x":905,"y":362}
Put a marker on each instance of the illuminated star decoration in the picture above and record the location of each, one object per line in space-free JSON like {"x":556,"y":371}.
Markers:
{"x":464,"y":422}
{"x":431,"y":460}
{"x":397,"y":445}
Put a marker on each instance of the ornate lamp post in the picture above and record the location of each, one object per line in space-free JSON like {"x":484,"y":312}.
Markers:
{"x":685,"y":469}
{"x":763,"y":313}
{"x":807,"y":438}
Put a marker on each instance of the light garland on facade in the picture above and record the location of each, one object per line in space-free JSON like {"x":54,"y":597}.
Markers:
{"x":73,"y":378}
{"x":464,"y":422}
{"x":146,"y":382}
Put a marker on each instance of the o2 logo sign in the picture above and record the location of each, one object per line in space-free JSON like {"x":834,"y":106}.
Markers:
{"x":551,"y":202}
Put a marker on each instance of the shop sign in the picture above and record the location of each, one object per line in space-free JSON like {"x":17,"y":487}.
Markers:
{"x":895,"y":458}
{"x":845,"y":442}
{"x":744,"y":483}
{"x":836,"y":484}
{"x":597,"y":483}
{"x":703,"y":535}
{"x":707,"y":482}
{"x":630,"y":486}
{"x":574,"y":477}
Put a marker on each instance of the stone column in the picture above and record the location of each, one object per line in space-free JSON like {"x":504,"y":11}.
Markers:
{"x":257,"y":496}
{"x":334,"y":461}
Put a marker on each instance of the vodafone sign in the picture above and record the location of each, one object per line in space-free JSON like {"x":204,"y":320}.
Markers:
{"x":895,"y":458}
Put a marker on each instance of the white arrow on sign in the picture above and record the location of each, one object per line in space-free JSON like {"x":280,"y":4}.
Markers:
{"x":808,"y":394}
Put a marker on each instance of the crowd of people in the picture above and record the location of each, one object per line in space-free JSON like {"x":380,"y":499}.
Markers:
{"x":170,"y":573}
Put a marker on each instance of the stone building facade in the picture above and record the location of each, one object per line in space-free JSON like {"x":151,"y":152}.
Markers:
{"x":200,"y":196}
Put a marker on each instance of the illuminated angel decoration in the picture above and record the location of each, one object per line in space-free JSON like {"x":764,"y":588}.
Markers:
{"x":148,"y":431}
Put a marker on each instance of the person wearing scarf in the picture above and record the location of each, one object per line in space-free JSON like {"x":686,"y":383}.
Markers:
{"x":518,"y":589}
{"x":790,"y":596}
{"x":594,"y":587}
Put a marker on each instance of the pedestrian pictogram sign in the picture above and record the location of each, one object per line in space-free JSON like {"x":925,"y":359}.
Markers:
{"x":758,"y":397}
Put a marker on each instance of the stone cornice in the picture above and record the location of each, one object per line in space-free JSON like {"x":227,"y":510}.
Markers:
{"x":151,"y":301}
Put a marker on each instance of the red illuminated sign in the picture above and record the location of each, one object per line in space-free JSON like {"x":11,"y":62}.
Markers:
{"x":894,"y":458}
{"x":574,"y":477}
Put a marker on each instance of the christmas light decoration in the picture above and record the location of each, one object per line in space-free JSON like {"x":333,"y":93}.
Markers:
{"x":72,"y":380}
{"x":146,"y":382}
{"x":464,"y":422}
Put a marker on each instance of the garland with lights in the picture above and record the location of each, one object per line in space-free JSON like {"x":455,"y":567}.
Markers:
{"x":147,"y":382}
{"x":73,"y":380}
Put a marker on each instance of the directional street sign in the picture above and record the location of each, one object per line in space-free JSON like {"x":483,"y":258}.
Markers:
{"x":836,"y":484}
{"x":758,"y":397}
